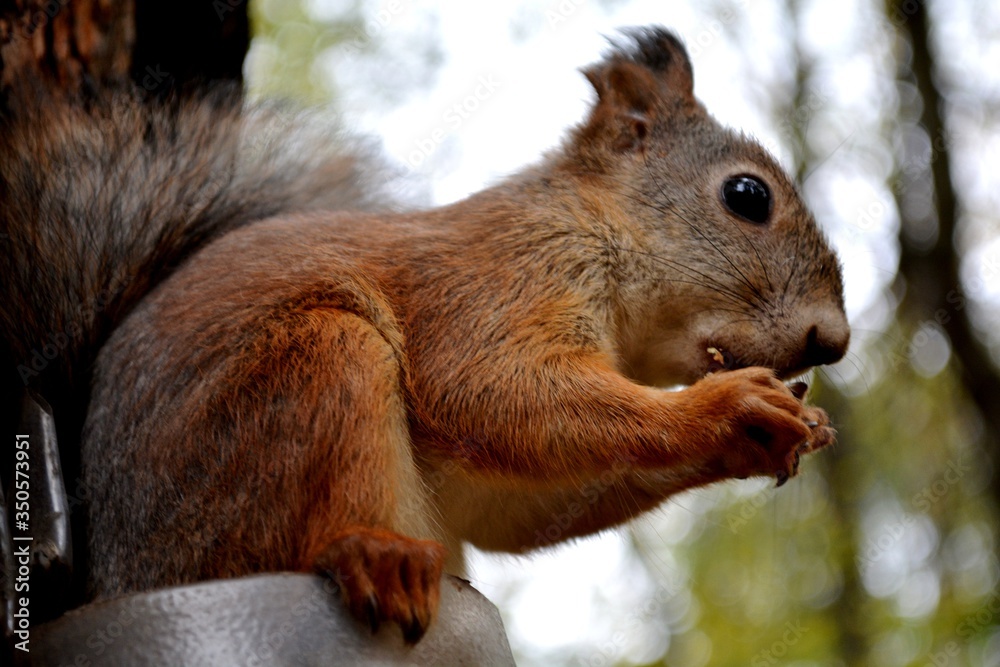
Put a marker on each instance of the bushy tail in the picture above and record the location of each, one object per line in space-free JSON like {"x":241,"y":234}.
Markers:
{"x":100,"y":201}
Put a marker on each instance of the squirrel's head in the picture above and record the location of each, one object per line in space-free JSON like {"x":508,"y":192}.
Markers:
{"x":721,"y":261}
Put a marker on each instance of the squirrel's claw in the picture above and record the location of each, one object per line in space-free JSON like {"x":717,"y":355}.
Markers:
{"x":386,"y":577}
{"x":413,"y":631}
{"x":371,"y":610}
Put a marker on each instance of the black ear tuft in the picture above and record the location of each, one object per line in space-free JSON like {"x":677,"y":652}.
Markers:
{"x":659,"y":50}
{"x":644,"y":80}
{"x":653,"y":46}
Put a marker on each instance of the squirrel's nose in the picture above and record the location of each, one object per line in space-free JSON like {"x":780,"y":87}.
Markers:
{"x":826,"y":340}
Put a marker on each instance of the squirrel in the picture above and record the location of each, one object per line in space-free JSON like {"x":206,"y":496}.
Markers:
{"x":283,"y":375}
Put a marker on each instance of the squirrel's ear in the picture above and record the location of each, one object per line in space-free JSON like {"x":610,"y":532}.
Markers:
{"x":647,"y":77}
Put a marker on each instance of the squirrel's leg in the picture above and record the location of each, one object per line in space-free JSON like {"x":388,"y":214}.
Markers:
{"x":316,"y":415}
{"x":275,"y":438}
{"x":290,"y":450}
{"x":355,"y":535}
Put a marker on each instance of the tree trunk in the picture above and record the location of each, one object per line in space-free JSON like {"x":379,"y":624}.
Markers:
{"x":79,"y":46}
{"x":930,"y":274}
{"x":79,"y":49}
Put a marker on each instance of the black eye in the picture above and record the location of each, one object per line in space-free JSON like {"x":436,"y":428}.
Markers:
{"x":748,"y":198}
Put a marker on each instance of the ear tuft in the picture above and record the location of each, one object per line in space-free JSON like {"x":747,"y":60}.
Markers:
{"x":655,"y":50}
{"x":644,"y":78}
{"x":659,"y":50}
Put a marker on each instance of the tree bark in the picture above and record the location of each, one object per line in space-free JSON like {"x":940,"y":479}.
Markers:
{"x":79,"y":46}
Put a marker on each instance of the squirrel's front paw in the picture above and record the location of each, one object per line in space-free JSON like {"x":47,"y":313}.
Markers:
{"x":760,"y":426}
{"x":385,"y":576}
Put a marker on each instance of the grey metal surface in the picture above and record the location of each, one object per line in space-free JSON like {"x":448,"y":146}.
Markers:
{"x":280,"y":619}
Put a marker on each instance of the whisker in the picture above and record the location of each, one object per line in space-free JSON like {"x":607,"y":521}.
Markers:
{"x":696,"y":284}
{"x":695,"y":277}
{"x":859,"y":368}
{"x":681,"y":267}
{"x":788,"y":281}
{"x":817,"y":165}
{"x":705,"y":236}
{"x":739,"y":273}
{"x":760,"y":260}
{"x":660,"y":209}
{"x":709,"y":281}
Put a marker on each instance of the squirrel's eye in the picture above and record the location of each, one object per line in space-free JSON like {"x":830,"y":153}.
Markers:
{"x":748,"y":198}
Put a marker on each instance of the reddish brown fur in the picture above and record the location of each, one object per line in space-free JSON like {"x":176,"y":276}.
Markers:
{"x":332,"y":391}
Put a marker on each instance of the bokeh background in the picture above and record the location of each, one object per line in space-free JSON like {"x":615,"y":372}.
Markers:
{"x":884,"y":550}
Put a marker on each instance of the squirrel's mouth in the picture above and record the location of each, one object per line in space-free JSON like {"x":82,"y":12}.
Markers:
{"x":722,"y":359}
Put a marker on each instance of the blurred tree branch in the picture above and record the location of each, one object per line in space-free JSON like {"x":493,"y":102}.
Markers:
{"x":930,"y":275}
{"x":851,"y":633}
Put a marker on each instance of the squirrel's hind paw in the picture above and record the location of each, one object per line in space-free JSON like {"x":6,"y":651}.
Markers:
{"x":384,"y":576}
